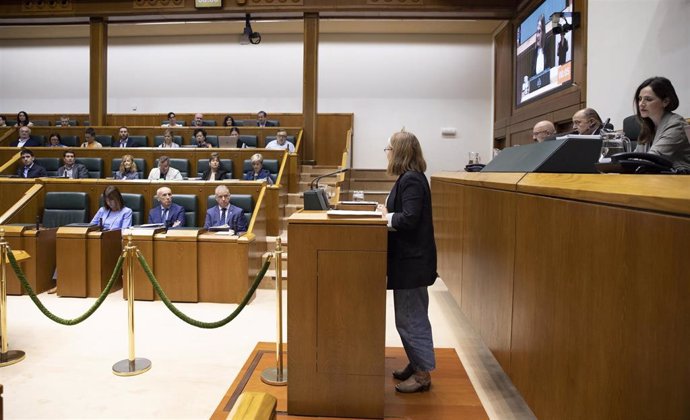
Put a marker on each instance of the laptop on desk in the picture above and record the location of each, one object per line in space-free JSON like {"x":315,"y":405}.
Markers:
{"x":227,"y":141}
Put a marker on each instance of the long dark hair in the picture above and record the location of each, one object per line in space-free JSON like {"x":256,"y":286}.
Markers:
{"x":662,"y":88}
{"x":111,"y":192}
{"x":26,"y":122}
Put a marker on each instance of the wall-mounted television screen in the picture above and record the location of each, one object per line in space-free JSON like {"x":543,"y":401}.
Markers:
{"x":544,"y":60}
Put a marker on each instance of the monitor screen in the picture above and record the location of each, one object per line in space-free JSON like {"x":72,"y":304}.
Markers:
{"x":544,"y":60}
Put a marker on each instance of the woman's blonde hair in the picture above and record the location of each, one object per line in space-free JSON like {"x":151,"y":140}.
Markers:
{"x":133,"y":168}
{"x":406,"y":154}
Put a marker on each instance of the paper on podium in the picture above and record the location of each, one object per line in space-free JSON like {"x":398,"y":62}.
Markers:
{"x":353,"y":213}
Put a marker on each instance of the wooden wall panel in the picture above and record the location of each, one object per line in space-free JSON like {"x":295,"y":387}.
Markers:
{"x":447,"y":200}
{"x":597,"y":330}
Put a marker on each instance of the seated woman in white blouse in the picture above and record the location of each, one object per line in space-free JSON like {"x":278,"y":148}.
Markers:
{"x":168,"y":142}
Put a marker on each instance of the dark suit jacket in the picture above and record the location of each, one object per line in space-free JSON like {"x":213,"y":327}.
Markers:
{"x":175,"y":213}
{"x":36,"y":171}
{"x":263,"y":174}
{"x":79,"y":171}
{"x":32,"y":142}
{"x":236,"y":219}
{"x":411,"y":247}
{"x":220,"y":175}
{"x":268,"y":124}
{"x":129,"y":143}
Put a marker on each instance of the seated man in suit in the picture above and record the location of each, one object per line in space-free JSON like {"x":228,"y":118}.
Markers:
{"x":198,"y":120}
{"x":542,"y":130}
{"x":225,"y":214}
{"x":71,"y":169}
{"x":165,"y":171}
{"x":25,"y":139}
{"x":64,"y":121}
{"x":587,"y":122}
{"x":281,"y":142}
{"x":261,"y":120}
{"x":167,"y":213}
{"x":125,"y":141}
{"x":29,"y":169}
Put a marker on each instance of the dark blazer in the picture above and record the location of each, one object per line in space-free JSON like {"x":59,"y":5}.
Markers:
{"x":32,"y":142}
{"x":268,"y":124}
{"x":175,"y":213}
{"x":128,"y":143}
{"x":236,"y":219}
{"x":411,"y":246}
{"x":220,"y":175}
{"x":79,"y":171}
{"x":36,"y":171}
{"x":263,"y":174}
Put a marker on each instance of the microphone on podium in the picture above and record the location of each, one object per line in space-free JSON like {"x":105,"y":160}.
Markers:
{"x":317,"y":198}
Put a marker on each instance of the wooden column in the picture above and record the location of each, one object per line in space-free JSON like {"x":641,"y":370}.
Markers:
{"x":310,"y":85}
{"x":98,"y":70}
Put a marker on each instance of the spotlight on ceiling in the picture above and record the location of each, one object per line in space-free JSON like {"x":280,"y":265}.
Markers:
{"x":249,"y":36}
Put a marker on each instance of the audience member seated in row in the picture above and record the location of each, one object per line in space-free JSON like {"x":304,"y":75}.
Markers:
{"x":172,"y":121}
{"x":662,"y":131}
{"x":168,"y":142}
{"x":167,"y":213}
{"x":262,"y":121}
{"x":587,"y":122}
{"x":165,"y":171}
{"x":3,"y":121}
{"x":200,"y":136}
{"x":29,"y":169}
{"x":125,"y":141}
{"x":228,"y":121}
{"x":216,"y":171}
{"x":71,"y":169}
{"x":198,"y":120}
{"x":234,"y":131}
{"x":64,"y":121}
{"x":23,"y":120}
{"x":128,"y":169}
{"x":55,"y":140}
{"x":25,"y":139}
{"x":542,"y":130}
{"x":258,"y":173}
{"x":225,"y":214}
{"x":90,"y":139}
{"x":114,"y":214}
{"x":281,"y":142}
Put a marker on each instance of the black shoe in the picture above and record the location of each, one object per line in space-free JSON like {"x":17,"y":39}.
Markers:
{"x":403,"y":374}
{"x":419,"y":382}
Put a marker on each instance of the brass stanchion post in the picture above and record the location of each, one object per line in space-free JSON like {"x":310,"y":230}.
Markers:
{"x":277,"y":375}
{"x":131,"y":366}
{"x":7,"y":357}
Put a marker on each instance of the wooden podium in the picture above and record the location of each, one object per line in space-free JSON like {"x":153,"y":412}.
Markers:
{"x":172,"y":256}
{"x":86,"y":258}
{"x":40,"y":245}
{"x":336,"y":315}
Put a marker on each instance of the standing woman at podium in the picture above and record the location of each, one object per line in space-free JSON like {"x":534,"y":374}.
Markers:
{"x":114,"y":214}
{"x":411,"y":258}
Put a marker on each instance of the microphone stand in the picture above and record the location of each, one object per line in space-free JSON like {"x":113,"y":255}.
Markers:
{"x":314,"y":199}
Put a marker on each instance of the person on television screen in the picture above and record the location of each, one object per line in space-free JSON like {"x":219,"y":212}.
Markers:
{"x":587,"y":122}
{"x":662,"y":132}
{"x":540,"y":60}
{"x":562,"y":50}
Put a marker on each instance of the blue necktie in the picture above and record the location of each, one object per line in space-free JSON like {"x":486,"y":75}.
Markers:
{"x":222,"y":216}
{"x":165,"y":216}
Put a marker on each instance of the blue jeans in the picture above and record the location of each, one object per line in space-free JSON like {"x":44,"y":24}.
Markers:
{"x":412,"y":322}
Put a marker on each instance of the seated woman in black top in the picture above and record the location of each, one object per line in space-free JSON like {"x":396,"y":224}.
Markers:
{"x":215,"y":171}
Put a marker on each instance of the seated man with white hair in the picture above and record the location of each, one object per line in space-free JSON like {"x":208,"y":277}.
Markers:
{"x":225,"y":214}
{"x":167,"y":213}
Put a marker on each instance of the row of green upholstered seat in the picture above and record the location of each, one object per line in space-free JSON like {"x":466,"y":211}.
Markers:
{"x":46,"y":123}
{"x":95,"y":166}
{"x":63,"y":208}
{"x":238,"y":123}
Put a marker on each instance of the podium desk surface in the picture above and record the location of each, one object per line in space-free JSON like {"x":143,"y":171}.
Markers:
{"x":320,"y":216}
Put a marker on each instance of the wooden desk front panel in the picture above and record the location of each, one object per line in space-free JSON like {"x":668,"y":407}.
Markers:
{"x":176,"y":269}
{"x":103,"y":250}
{"x":600,"y":319}
{"x":72,"y":262}
{"x":38,"y":269}
{"x":222,"y":271}
{"x":487,"y":268}
{"x":336,"y":319}
{"x":448,"y":211}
